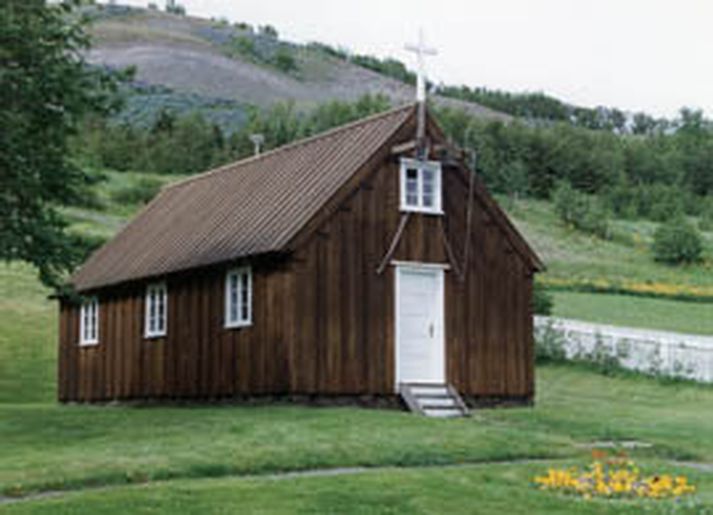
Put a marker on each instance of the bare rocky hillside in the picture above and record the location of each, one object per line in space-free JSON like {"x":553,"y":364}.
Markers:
{"x":213,"y":59}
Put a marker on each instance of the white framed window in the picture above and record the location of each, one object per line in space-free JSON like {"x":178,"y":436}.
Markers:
{"x":155,"y":320}
{"x":89,"y":322}
{"x":238,"y":297}
{"x":420,"y":186}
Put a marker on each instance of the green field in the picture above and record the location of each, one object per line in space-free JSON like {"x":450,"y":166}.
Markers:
{"x":627,"y":310}
{"x":172,"y":451}
{"x":487,"y":489}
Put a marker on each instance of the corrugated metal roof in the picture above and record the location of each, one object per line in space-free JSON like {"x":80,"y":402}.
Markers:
{"x":249,"y":207}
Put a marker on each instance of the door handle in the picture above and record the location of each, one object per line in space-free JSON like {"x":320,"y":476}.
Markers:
{"x":431,"y":330}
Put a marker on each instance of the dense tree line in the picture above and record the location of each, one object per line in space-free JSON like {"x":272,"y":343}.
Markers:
{"x":538,"y":107}
{"x":189,"y":144}
{"x":649,"y":176}
{"x":638,"y":175}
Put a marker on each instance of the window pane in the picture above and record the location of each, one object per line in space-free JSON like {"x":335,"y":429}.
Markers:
{"x":244,"y":297}
{"x":233,"y":304}
{"x":85,"y":322}
{"x":428,"y":187}
{"x":93,"y":320}
{"x":161,"y":322}
{"x":411,"y":187}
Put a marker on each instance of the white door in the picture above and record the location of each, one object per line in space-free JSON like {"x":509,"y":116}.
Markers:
{"x":419,"y":325}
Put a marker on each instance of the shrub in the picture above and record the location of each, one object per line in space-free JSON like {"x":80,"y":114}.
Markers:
{"x":549,"y":344}
{"x":663,"y":202}
{"x":241,"y":25}
{"x":677,"y":242}
{"x":84,"y":244}
{"x":268,"y":31}
{"x":138,"y":193}
{"x":284,"y":61}
{"x":580,"y":211}
{"x":542,"y":301}
{"x":244,"y":46}
{"x":705,"y":222}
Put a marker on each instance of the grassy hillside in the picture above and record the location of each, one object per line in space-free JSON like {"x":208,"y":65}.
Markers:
{"x":576,"y":258}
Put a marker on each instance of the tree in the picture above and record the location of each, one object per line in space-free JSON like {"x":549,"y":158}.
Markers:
{"x":677,"y":242}
{"x":45,"y":90}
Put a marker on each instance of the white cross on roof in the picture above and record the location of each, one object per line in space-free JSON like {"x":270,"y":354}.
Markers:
{"x":421,"y":50}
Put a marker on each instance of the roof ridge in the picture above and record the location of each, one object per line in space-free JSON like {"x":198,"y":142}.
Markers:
{"x":289,"y":146}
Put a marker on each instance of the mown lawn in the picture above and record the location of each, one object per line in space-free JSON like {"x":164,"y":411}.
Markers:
{"x":627,"y":310}
{"x":48,"y":447}
{"x":489,"y":489}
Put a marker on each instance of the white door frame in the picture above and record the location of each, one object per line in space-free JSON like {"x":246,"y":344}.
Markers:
{"x":438,"y":270}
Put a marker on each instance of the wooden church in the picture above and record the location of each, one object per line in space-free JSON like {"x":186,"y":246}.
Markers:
{"x":365,"y":264}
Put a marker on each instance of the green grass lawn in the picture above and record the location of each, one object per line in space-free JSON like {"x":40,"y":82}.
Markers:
{"x":489,"y":489}
{"x":48,"y":447}
{"x":28,"y":329}
{"x":627,"y":310}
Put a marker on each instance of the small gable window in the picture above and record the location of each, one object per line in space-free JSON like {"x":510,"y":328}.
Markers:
{"x":238,"y":297}
{"x":89,"y":322}
{"x":156,"y":308}
{"x":421,"y":186}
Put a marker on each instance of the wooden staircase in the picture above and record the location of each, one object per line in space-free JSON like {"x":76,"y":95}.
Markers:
{"x":433,"y":400}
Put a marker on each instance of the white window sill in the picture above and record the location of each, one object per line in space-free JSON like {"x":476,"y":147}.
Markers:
{"x":422,"y":210}
{"x":89,"y":343}
{"x":238,"y":325}
{"x":154,"y":336}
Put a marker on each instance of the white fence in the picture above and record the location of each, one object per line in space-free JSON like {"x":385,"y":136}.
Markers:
{"x":673,"y":354}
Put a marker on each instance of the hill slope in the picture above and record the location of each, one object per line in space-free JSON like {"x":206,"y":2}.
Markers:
{"x":216,"y":60}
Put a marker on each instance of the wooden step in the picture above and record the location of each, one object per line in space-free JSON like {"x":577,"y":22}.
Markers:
{"x":433,"y":400}
{"x":449,"y":413}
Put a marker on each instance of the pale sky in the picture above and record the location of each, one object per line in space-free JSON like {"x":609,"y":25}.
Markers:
{"x":650,"y":55}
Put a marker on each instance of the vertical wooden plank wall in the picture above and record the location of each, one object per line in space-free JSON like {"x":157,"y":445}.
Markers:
{"x":197,"y":358}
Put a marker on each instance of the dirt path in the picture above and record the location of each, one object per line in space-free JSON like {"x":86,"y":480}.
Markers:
{"x":321,"y":472}
{"x":275,"y":476}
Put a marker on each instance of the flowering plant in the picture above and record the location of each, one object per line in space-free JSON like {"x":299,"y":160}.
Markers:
{"x":614,"y":477}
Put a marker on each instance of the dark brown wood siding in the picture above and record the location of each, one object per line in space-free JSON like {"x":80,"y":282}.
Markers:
{"x":324,"y":318}
{"x":198,"y":357}
{"x":344,"y":340}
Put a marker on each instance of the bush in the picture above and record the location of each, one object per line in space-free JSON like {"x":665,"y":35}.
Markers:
{"x":542,"y":301}
{"x":549,"y":344}
{"x":139,"y":193}
{"x":284,"y":61}
{"x":705,"y":223}
{"x":677,"y":242}
{"x":268,"y":31}
{"x":580,"y":211}
{"x":244,"y":46}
